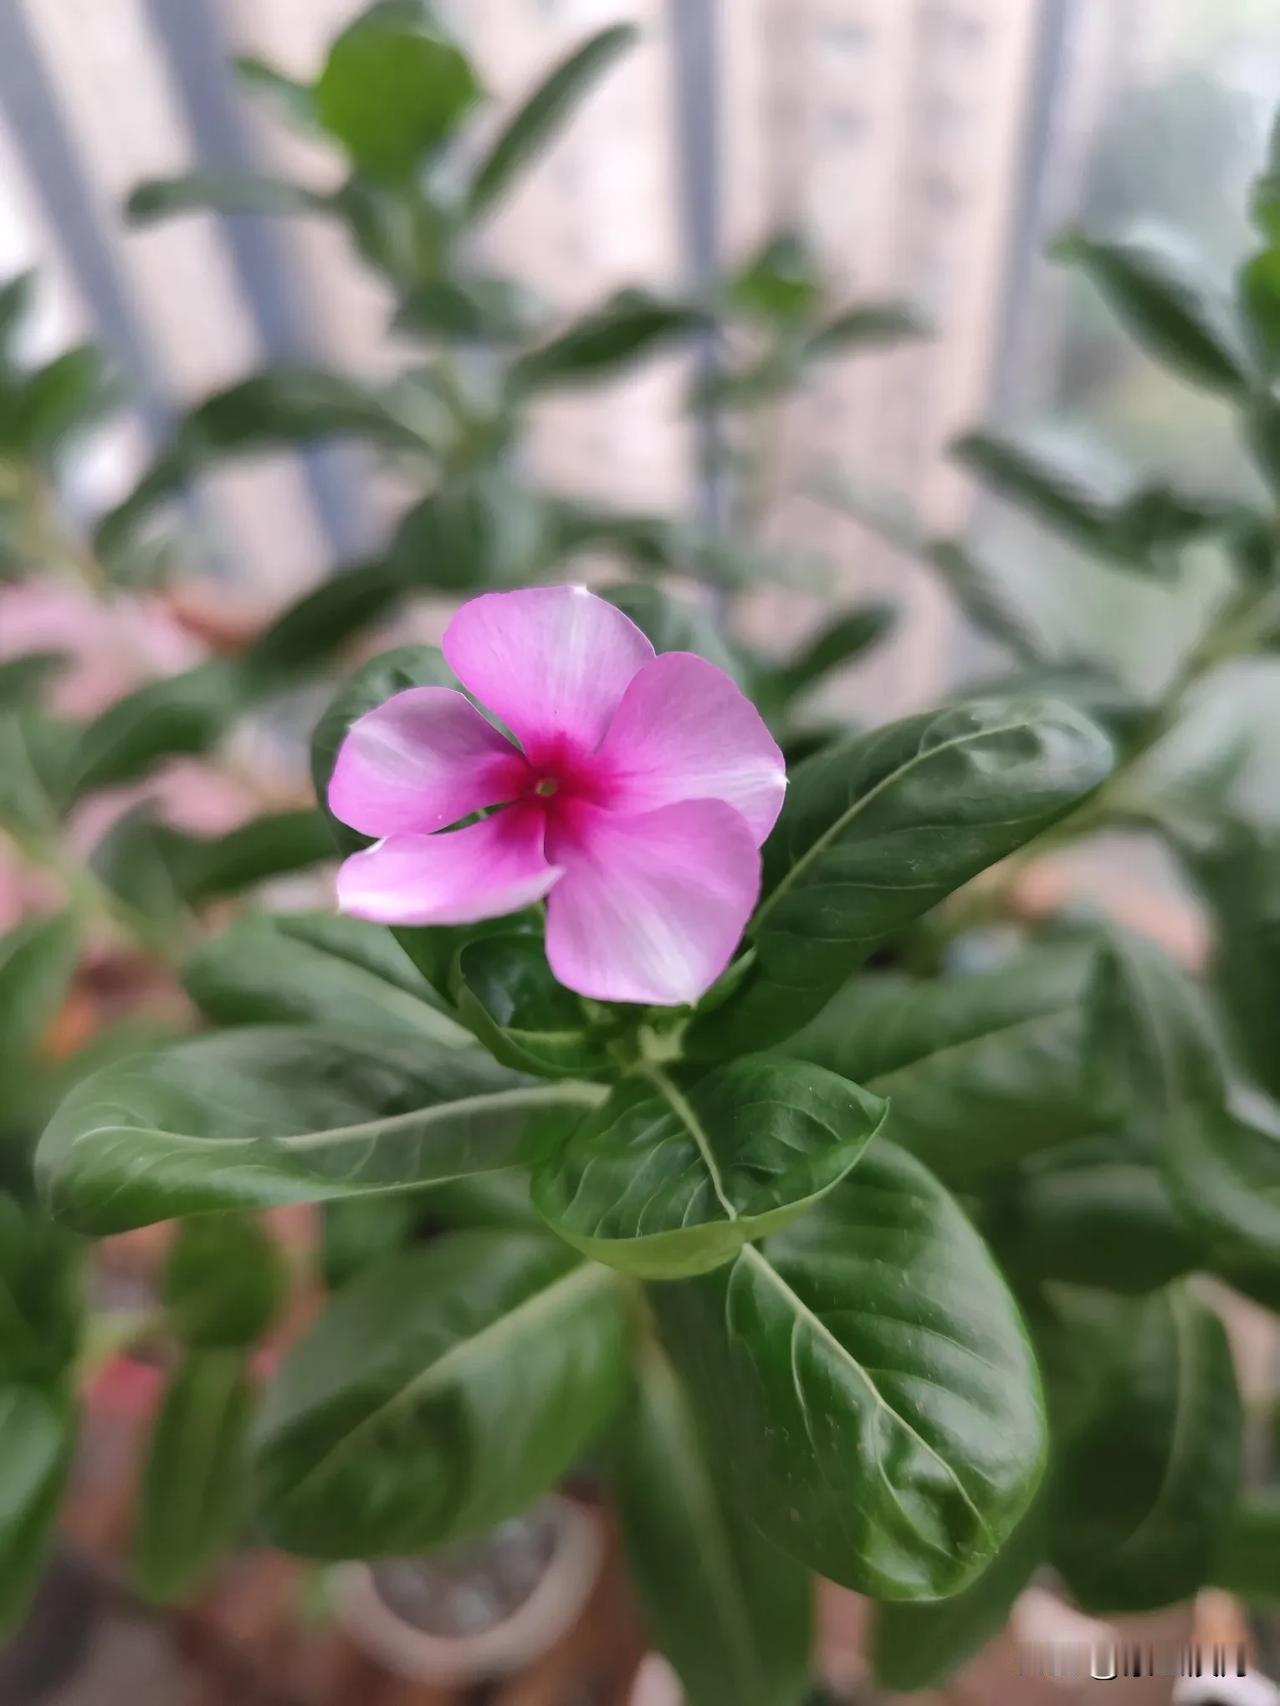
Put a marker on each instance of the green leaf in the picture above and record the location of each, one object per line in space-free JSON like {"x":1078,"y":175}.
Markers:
{"x":311,"y":968}
{"x":69,"y":394}
{"x":1239,"y":880}
{"x":437,"y":1395}
{"x":178,"y":714}
{"x":508,"y":995}
{"x":679,"y":1169}
{"x":1164,"y":300}
{"x":37,"y":1432}
{"x":1264,"y":200}
{"x":869,"y":1386}
{"x":220,"y":192}
{"x":35,"y":753}
{"x":535,"y":122}
{"x":41,"y":1296}
{"x":320,"y":623}
{"x":1259,"y":287}
{"x":37,"y":962}
{"x":23,"y":678}
{"x":1223,"y":1167}
{"x":922,"y":1646}
{"x":779,"y":284}
{"x":259,"y":1117}
{"x":631,"y":324}
{"x":472,"y":308}
{"x":224,"y":1283}
{"x":838,"y":643}
{"x":477,"y":532}
{"x":1143,"y":1489}
{"x":1247,"y":1562}
{"x":391,"y":93}
{"x":16,"y":294}
{"x":159,"y":870}
{"x":675,"y":624}
{"x":734,"y":1617}
{"x":871,"y":325}
{"x":878,"y":828}
{"x":192,"y":1493}
{"x":976,"y":589}
{"x":1099,"y":1213}
{"x":980,"y":1070}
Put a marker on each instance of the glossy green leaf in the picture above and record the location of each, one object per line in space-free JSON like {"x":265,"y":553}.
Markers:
{"x":191,"y":1499}
{"x":437,"y":1395}
{"x":224,"y":1282}
{"x":869,"y":1385}
{"x":734,"y":1616}
{"x":631,"y":324}
{"x":922,"y":1646}
{"x":1143,"y":1490}
{"x":311,"y":968}
{"x":878,"y":828}
{"x":220,"y":192}
{"x":536,"y":121}
{"x":1247,"y":1562}
{"x":680,"y":1168}
{"x":389,"y":93}
{"x":37,"y":1431}
{"x":980,"y":1070}
{"x":262,"y":1116}
{"x":506,"y":992}
{"x":1239,"y":880}
{"x":1223,"y":1167}
{"x":1164,"y":300}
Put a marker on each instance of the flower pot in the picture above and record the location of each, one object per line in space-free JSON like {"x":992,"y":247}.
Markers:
{"x":481,"y":1609}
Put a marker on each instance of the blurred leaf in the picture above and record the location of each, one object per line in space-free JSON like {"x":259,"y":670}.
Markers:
{"x":41,"y":1296}
{"x":868,"y":1385}
{"x":37,"y":962}
{"x":978,"y":1070}
{"x":258,"y":1117}
{"x":437,"y":1395}
{"x":224,"y":1284}
{"x":489,"y":310}
{"x":922,"y":1646}
{"x":16,"y":295}
{"x":871,"y":325}
{"x":221,"y":192}
{"x":177,"y":714}
{"x":780,"y":283}
{"x":390,"y":93}
{"x":840,"y":642}
{"x":1143,"y":1490}
{"x":1262,"y":435}
{"x":536,"y":121}
{"x":676,"y":624}
{"x":160,"y":871}
{"x":70,"y":393}
{"x":311,"y":968}
{"x":630,"y":325}
{"x":291,"y":100}
{"x":1247,"y":1563}
{"x":679,"y":1169}
{"x":320,"y":623}
{"x":37,"y":1432}
{"x":1238,"y":878}
{"x":35,"y":753}
{"x":734,"y":1618}
{"x":481,"y":531}
{"x":508,"y":995}
{"x":1169,"y":306}
{"x":1260,"y":298}
{"x":937,"y":797}
{"x":1264,"y":202}
{"x":192,"y":1494}
{"x":1223,"y":1166}
{"x":23,"y":678}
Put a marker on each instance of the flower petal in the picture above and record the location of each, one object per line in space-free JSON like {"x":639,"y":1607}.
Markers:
{"x":421,"y":760}
{"x":684,"y":731}
{"x":552,"y":662}
{"x":651,"y":907}
{"x":488,"y":869}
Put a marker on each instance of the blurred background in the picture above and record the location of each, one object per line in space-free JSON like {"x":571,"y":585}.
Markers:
{"x":928,"y":149}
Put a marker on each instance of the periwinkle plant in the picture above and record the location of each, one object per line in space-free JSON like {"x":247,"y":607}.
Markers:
{"x":692,"y":1151}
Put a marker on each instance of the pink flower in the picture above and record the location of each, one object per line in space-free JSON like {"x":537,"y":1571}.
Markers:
{"x":636,"y":801}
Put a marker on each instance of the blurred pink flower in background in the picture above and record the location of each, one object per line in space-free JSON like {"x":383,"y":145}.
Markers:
{"x":636,"y":801}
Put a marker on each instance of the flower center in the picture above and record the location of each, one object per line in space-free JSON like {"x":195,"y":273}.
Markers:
{"x":545,"y":786}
